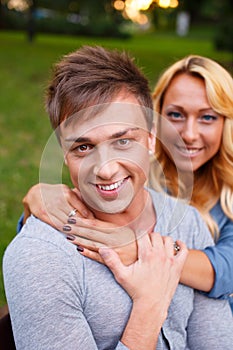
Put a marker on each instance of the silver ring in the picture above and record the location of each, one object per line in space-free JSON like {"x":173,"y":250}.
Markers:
{"x":72,"y":212}
{"x":176,"y":248}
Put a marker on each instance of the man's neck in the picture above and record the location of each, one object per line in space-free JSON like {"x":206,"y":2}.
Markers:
{"x":139,"y":216}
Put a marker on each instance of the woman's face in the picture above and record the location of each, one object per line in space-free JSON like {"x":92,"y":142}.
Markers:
{"x":190,"y":129}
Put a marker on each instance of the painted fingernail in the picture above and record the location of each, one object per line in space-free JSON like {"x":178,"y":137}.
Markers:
{"x":66,"y":228}
{"x":70,"y":237}
{"x":71,"y":221}
{"x":79,"y":248}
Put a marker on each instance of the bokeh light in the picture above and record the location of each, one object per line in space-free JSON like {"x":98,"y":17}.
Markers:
{"x":19,"y":5}
{"x":131,"y":9}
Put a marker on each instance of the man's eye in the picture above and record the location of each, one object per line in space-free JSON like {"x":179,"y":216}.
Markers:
{"x":123,"y":142}
{"x":83,"y":148}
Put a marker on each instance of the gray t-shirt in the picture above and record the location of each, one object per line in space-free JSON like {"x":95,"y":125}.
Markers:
{"x":60,"y":300}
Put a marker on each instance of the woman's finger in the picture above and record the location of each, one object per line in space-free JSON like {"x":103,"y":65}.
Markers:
{"x":76,"y":203}
{"x":156,"y":240}
{"x":86,"y":243}
{"x":91,"y":254}
{"x":112,"y":260}
{"x":144,"y":245}
{"x":87,"y":233}
{"x":114,"y":238}
{"x":169,"y":246}
{"x":182,"y":253}
{"x":93,"y":222}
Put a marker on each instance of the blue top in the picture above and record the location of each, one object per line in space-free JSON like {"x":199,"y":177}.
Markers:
{"x":220,"y":255}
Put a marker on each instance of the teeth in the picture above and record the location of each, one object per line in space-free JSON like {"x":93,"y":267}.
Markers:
{"x":189,"y":151}
{"x":111,"y":187}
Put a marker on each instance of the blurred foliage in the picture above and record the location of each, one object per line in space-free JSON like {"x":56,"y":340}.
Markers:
{"x":215,"y":12}
{"x":87,"y":17}
{"x":224,"y":34}
{"x":99,"y":18}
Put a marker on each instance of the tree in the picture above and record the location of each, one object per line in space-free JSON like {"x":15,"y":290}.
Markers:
{"x":193,"y":8}
{"x":31,"y":20}
{"x":224,"y":35}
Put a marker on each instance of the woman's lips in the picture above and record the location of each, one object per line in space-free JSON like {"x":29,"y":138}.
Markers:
{"x":189,"y":151}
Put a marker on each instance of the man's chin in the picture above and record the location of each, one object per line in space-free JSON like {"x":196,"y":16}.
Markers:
{"x":110,"y":207}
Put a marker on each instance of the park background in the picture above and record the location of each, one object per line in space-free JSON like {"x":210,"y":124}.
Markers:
{"x":35,"y":34}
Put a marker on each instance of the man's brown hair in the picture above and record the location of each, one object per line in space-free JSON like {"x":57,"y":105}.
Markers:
{"x":91,"y":76}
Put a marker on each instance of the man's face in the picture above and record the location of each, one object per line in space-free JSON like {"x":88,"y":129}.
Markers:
{"x":107,"y":155}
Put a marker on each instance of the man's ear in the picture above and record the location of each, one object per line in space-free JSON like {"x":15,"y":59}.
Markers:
{"x":65,"y":156}
{"x":152,"y":139}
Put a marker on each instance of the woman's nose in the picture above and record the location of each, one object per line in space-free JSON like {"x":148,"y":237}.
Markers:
{"x":190,"y":132}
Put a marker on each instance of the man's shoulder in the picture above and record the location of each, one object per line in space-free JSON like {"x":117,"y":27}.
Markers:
{"x":36,"y":229}
{"x":163,"y":202}
{"x":37,"y":235}
{"x":180,"y":220}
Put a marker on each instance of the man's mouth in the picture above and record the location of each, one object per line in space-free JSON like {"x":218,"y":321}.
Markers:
{"x":111,"y":187}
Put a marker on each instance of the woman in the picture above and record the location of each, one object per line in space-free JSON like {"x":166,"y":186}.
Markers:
{"x":194,"y":101}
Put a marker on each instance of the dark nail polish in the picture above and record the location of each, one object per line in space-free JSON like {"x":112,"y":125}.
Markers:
{"x":80,"y":249}
{"x":71,"y":221}
{"x":70,"y":237}
{"x":66,"y":228}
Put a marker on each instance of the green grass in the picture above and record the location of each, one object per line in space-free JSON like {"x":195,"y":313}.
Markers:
{"x":24,"y":127}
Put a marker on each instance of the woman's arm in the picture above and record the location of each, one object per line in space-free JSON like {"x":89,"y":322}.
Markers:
{"x":221,"y":258}
{"x":198,"y":272}
{"x":52,"y":204}
{"x":213,"y":267}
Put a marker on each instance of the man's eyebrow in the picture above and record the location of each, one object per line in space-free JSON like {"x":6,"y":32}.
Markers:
{"x":88,"y":140}
{"x":78,"y":139}
{"x":122,"y":133}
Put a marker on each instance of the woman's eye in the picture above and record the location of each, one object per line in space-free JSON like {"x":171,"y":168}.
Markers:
{"x":209,"y":118}
{"x":174,"y":115}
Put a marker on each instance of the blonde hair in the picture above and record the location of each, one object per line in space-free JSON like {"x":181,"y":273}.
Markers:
{"x":214,"y":180}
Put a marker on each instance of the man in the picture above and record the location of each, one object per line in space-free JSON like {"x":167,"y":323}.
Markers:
{"x":100,"y":108}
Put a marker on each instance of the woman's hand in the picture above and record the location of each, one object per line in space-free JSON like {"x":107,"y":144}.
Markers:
{"x":92,"y":234}
{"x":151,"y":282}
{"x":53,"y":203}
{"x":155,"y":275}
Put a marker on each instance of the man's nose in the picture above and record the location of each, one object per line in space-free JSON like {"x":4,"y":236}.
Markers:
{"x":106,"y":164}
